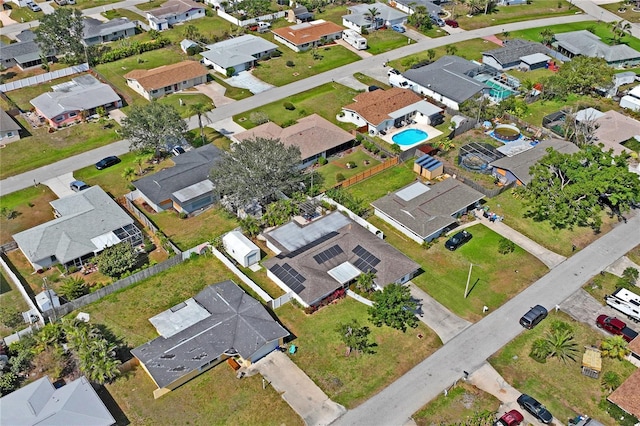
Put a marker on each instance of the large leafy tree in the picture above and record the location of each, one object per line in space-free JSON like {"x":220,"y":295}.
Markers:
{"x":355,"y":337}
{"x":62,"y":32}
{"x":149,"y":127}
{"x":394,"y":307}
{"x":117,"y":259}
{"x":572,"y":189}
{"x":582,"y":75}
{"x":257,"y":169}
{"x":73,"y":287}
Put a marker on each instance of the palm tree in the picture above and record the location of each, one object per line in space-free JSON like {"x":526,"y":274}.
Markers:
{"x":371,"y":15}
{"x":611,"y":380}
{"x":540,"y":350}
{"x":562,"y":345}
{"x":620,"y":29}
{"x":365,"y":282}
{"x":431,"y":54}
{"x":614,"y":347}
{"x":201,"y":109}
{"x":129,"y":173}
{"x":451,"y":49}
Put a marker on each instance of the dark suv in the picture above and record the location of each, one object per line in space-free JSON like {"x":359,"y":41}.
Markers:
{"x":533,"y":317}
{"x":112,"y":160}
{"x":536,"y":409}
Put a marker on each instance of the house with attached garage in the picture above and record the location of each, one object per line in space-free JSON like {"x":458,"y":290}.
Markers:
{"x":313,"y":135}
{"x":85,"y":223}
{"x":24,"y":54}
{"x":316,"y":258}
{"x":9,"y":129}
{"x":75,"y":100}
{"x":517,"y":53}
{"x":359,"y":17}
{"x":157,"y":82}
{"x":424,"y":212}
{"x":627,"y":395}
{"x":185,"y":187}
{"x":382,"y":110}
{"x":240,"y":53}
{"x":308,"y":35}
{"x":585,"y":43}
{"x":299,"y":14}
{"x":96,"y":31}
{"x":220,"y":323}
{"x":174,"y":12}
{"x":409,"y":6}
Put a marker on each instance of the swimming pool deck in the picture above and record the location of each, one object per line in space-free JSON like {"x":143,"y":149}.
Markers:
{"x":431,"y":132}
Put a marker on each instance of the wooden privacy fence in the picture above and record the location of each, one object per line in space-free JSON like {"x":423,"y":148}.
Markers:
{"x":367,"y":173}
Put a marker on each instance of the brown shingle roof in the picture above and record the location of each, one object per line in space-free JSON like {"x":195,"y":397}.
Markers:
{"x":627,"y":396}
{"x":634,"y":346}
{"x":312,"y":134}
{"x":175,"y":7}
{"x":307,"y":33}
{"x":167,"y":75}
{"x":375,"y":106}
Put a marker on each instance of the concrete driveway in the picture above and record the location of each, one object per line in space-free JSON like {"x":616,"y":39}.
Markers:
{"x":300,"y":392}
{"x":215,"y":92}
{"x":60,"y":184}
{"x":246,"y":80}
{"x":582,"y":307}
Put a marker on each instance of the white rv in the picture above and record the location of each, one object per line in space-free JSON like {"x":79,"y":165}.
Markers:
{"x":626,"y":302}
{"x":355,"y":39}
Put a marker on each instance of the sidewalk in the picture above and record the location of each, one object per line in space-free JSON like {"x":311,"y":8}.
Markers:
{"x":546,"y":256}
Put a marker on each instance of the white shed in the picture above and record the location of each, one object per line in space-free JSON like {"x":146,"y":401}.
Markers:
{"x":46,"y":300}
{"x":242,"y":249}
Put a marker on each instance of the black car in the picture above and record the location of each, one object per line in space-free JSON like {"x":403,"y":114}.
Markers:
{"x":533,"y":316}
{"x":109,"y":161}
{"x":536,"y":409}
{"x":457,"y":240}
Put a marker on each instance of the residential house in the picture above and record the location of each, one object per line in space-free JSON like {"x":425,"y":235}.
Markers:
{"x":449,"y":80}
{"x":516,"y":168}
{"x":237,"y":54}
{"x":517,"y":53}
{"x":360,"y":18}
{"x":40,"y":403}
{"x":9,"y":129}
{"x":585,"y":43}
{"x":627,"y":395}
{"x":613,"y":128}
{"x":409,"y":6}
{"x":85,"y":224}
{"x":242,"y":249}
{"x":424,"y":212}
{"x":174,"y":12}
{"x":157,"y":82}
{"x":75,"y":100}
{"x":218,"y":323}
{"x":96,"y":31}
{"x":24,"y":54}
{"x":308,"y":35}
{"x":315,"y":259}
{"x":382,"y":110}
{"x":184,"y":187}
{"x":299,"y":14}
{"x":315,"y":136}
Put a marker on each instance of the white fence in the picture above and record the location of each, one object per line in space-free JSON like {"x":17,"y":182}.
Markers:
{"x":245,"y":279}
{"x":13,"y":277}
{"x":359,"y":298}
{"x":360,"y":221}
{"x":43,"y":78}
{"x":270,"y":17}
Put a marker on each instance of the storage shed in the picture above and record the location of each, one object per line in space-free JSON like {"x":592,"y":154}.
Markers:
{"x":47,"y":300}
{"x":242,"y":249}
{"x":428,"y":167}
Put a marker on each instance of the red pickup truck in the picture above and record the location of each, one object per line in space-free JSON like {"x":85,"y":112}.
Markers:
{"x":616,"y":326}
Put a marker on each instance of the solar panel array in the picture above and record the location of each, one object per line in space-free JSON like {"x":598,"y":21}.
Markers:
{"x":328,"y":254}
{"x":366,"y":261}
{"x":290,"y":277}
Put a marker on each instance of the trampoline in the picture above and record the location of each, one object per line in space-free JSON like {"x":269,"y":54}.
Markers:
{"x":476,"y":157}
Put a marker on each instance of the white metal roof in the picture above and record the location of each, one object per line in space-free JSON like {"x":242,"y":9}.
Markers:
{"x":240,"y":244}
{"x":344,"y":272}
{"x":412,"y":191}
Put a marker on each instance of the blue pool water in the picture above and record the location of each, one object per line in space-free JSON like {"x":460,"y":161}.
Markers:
{"x":409,"y":137}
{"x":498,"y":91}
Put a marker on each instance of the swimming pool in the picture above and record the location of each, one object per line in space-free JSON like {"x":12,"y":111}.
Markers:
{"x":410,"y":137}
{"x":498,"y":90}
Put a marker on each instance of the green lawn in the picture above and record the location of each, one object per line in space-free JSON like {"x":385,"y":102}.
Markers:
{"x":11,"y":302}
{"x":21,"y":97}
{"x":557,"y":240}
{"x":629,"y":15}
{"x":86,"y":4}
{"x":538,"y":9}
{"x":460,"y":404}
{"x":634,"y":255}
{"x":351,"y":380}
{"x":602,"y":285}
{"x":338,"y":165}
{"x":122,"y":13}
{"x":470,"y":49}
{"x":537,"y":110}
{"x":188,"y":98}
{"x":331,"y":12}
{"x":22,"y":14}
{"x":384,"y":182}
{"x":150,"y":4}
{"x":236,"y":93}
{"x":31,"y":206}
{"x":370,"y":81}
{"x":384,"y":40}
{"x":276,"y":72}
{"x":326,"y":101}
{"x":560,"y":387}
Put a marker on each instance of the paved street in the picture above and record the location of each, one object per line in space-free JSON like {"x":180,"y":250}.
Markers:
{"x":468,"y":350}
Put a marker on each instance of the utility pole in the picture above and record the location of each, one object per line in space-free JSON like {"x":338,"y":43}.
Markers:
{"x":466,"y":289}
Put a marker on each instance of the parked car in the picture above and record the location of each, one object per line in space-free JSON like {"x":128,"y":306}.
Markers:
{"x":536,"y":409}
{"x":452,"y":23}
{"x":437,"y":20}
{"x":616,"y":326}
{"x":34,"y":7}
{"x":398,"y":28}
{"x":78,"y":185}
{"x":510,"y":418}
{"x":109,"y":161}
{"x":457,"y":240}
{"x":61,"y":2}
{"x":177,"y":150}
{"x":533,"y":317}
{"x":373,"y":88}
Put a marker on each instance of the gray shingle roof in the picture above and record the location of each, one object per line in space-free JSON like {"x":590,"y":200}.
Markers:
{"x":300,"y":244}
{"x":432,"y":8}
{"x":190,"y":168}
{"x":431,"y":207}
{"x":520,"y":164}
{"x":96,"y":28}
{"x":81,"y":94}
{"x":584,"y":43}
{"x":447,"y":76}
{"x":512,"y":50}
{"x":20,"y":51}
{"x":236,"y":321}
{"x":239,"y":50}
{"x":7,"y":123}
{"x":84,"y":216}
{"x":39,"y":403}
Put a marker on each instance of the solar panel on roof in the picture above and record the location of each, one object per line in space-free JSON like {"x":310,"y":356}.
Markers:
{"x":366,"y":261}
{"x":328,"y":254}
{"x":289,"y":276}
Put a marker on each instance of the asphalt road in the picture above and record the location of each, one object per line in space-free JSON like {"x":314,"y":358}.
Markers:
{"x":468,"y":350}
{"x":18,"y":182}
